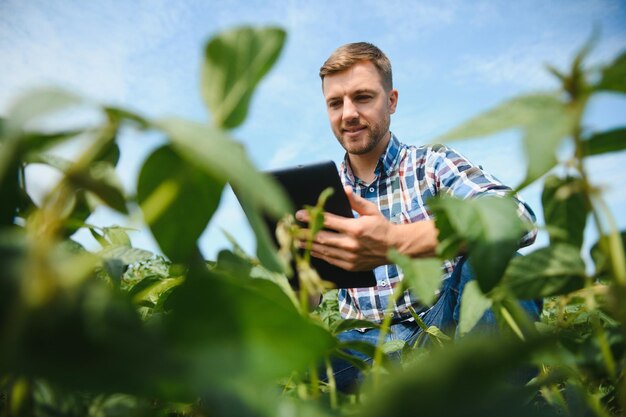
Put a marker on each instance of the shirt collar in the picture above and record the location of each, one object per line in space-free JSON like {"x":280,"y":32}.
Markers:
{"x":386,"y":164}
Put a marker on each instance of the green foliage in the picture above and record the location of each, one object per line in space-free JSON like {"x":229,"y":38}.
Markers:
{"x":614,"y":76}
{"x":605,"y":142}
{"x":235,"y":62}
{"x":565,"y":209}
{"x":423,"y":276}
{"x":544,"y":120}
{"x":170,"y":189}
{"x":121,"y":331}
{"x":554,"y":270}
{"x":487,"y":227}
{"x":473,"y":305}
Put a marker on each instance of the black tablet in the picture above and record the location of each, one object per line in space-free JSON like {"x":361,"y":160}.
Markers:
{"x":303,"y":185}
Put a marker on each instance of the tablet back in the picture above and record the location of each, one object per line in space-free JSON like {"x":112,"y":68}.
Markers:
{"x":303,"y":185}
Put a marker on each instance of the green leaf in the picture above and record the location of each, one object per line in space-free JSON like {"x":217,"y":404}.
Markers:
{"x":350,"y":324}
{"x":231,"y":329}
{"x":605,"y":142}
{"x":117,"y":236}
{"x":14,"y":138}
{"x":82,"y":322}
{"x":177,"y":201}
{"x":421,"y":276}
{"x":488,"y":226}
{"x":614,"y":76}
{"x":119,"y":114}
{"x":234,"y":63}
{"x":99,"y":238}
{"x":473,"y":306}
{"x":479,"y":371}
{"x":393,"y":346}
{"x":565,"y":209}
{"x":438,"y":336}
{"x":35,"y":104}
{"x":126,"y":255}
{"x":110,"y":153}
{"x":601,"y":249}
{"x":11,"y":192}
{"x":266,"y":249}
{"x":543,"y":119}
{"x":101,"y":179}
{"x":152,"y":289}
{"x":224,"y":159}
{"x":236,"y":266}
{"x":55,"y":161}
{"x":554,"y":270}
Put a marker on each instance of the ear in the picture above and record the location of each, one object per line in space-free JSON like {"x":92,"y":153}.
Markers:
{"x":393,"y":100}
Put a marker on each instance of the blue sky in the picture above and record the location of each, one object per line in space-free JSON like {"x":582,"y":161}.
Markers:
{"x":451,"y":60}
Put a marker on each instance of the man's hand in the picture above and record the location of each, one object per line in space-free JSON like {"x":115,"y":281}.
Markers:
{"x":361,"y":244}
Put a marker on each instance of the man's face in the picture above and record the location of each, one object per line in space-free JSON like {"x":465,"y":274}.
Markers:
{"x":358,"y":107}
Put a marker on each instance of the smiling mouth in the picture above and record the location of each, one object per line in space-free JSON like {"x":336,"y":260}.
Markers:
{"x":354,"y":130}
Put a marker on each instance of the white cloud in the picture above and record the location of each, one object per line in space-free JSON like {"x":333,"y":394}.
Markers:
{"x":89,"y":47}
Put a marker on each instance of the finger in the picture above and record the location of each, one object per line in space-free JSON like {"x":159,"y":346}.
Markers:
{"x":331,"y":221}
{"x":331,"y":255}
{"x":335,"y":240}
{"x":302,"y":215}
{"x":359,"y":204}
{"x":338,"y":223}
{"x":325,"y":238}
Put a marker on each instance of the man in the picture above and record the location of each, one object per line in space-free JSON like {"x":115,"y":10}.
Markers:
{"x":388,"y":184}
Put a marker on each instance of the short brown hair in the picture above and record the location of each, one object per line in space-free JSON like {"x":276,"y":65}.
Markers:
{"x":349,"y":54}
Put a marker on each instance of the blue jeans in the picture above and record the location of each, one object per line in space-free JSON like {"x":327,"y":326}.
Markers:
{"x":444,"y":314}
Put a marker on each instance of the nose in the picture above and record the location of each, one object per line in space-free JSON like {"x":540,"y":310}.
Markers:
{"x":350,"y":111}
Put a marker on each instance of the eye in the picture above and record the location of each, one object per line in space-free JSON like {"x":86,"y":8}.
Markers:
{"x":363,"y":98}
{"x":334,"y":104}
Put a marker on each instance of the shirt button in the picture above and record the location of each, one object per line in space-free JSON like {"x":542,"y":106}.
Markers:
{"x":383,"y":283}
{"x":371,"y":189}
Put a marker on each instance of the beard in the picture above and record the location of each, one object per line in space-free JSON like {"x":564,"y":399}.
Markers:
{"x":373,"y":135}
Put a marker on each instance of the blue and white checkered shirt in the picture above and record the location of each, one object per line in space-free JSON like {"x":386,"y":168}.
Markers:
{"x":406,"y":177}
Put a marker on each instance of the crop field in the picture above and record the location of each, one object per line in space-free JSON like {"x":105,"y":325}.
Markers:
{"x":122,"y":331}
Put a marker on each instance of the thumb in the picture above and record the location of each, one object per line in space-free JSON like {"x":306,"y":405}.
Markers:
{"x":359,"y":204}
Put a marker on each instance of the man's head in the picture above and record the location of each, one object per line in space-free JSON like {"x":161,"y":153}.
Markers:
{"x":359,"y":95}
{"x":349,"y":54}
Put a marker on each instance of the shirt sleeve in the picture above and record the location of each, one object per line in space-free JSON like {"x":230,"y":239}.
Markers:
{"x":453,"y":174}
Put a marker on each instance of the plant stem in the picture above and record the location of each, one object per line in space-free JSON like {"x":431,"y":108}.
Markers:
{"x":615,"y":251}
{"x":616,"y":247}
{"x":315,"y":381}
{"x":382,"y":335}
{"x":511,"y":322}
{"x":332,"y":384}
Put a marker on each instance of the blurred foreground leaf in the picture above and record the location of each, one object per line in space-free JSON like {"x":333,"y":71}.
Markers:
{"x":543,"y":119}
{"x":241,"y":330}
{"x":234,"y":63}
{"x":36,"y":104}
{"x":177,"y":200}
{"x":474,"y":377}
{"x":605,"y":142}
{"x":88,"y":338}
{"x":614,"y":76}
{"x":221,"y":157}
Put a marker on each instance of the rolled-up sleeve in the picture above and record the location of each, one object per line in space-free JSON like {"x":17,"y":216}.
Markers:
{"x":455,"y":175}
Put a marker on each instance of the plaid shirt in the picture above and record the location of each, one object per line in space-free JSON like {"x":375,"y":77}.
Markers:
{"x":406,"y":177}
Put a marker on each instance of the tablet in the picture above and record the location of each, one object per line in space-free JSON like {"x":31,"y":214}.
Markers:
{"x":303,"y":184}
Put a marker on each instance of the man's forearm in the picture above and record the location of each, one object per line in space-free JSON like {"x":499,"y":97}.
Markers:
{"x":416,"y":240}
